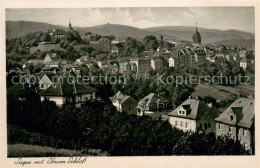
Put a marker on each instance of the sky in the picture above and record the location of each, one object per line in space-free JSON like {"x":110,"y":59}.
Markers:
{"x":221,"y":18}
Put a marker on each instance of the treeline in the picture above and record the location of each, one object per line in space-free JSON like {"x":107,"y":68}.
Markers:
{"x":97,"y":125}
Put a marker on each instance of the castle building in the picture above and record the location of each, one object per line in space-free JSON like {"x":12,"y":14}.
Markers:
{"x":196,"y":38}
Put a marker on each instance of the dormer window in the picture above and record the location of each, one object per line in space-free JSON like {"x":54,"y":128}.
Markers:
{"x":42,"y":86}
{"x":231,"y":117}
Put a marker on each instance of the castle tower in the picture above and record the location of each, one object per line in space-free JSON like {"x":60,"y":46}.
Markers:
{"x":196,"y":38}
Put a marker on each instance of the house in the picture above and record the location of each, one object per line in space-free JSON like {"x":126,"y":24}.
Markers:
{"x":125,"y":67}
{"x":124,"y":103}
{"x":112,"y":67}
{"x":118,"y":40}
{"x":237,"y":121}
{"x":50,"y":56}
{"x":117,"y":48}
{"x":102,"y":64}
{"x":103,"y":40}
{"x":149,"y":52}
{"x":244,"y":63}
{"x":242,"y":53}
{"x":193,"y":115}
{"x":152,"y":103}
{"x":159,"y":51}
{"x":62,"y":90}
{"x":58,"y":33}
{"x":35,"y":62}
{"x":171,"y":62}
{"x":141,"y":66}
{"x":82,"y":59}
{"x":156,"y":64}
{"x":53,"y":64}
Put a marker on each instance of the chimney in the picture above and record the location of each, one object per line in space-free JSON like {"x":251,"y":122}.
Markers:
{"x":196,"y":98}
{"x":189,"y":97}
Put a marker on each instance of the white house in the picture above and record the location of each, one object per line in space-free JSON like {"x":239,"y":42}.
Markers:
{"x":60,"y":90}
{"x":244,"y":63}
{"x":189,"y":116}
{"x":171,"y":62}
{"x":124,"y":103}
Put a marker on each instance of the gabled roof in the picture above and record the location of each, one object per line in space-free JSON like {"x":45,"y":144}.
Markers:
{"x":192,"y":105}
{"x":120,"y":97}
{"x":64,"y":86}
{"x":153,"y":98}
{"x":157,"y":60}
{"x":52,"y":55}
{"x":118,"y":45}
{"x":243,"y":109}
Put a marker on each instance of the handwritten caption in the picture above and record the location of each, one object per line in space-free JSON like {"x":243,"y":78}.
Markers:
{"x":52,"y":160}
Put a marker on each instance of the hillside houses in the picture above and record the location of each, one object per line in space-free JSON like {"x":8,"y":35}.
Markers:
{"x":117,"y":48}
{"x":61,"y":91}
{"x":58,"y":33}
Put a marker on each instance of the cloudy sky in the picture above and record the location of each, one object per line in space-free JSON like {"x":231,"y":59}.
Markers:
{"x":222,"y":18}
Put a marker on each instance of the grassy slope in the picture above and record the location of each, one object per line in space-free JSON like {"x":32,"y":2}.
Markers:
{"x":220,"y":92}
{"x":24,"y":150}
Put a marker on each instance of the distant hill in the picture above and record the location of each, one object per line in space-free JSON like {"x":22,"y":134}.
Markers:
{"x":125,"y":31}
{"x":207,"y":35}
{"x":16,"y":29}
{"x":20,"y":28}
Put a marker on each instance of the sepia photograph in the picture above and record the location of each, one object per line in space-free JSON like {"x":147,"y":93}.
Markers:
{"x":129,"y":81}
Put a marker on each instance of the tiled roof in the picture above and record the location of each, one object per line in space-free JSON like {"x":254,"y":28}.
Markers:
{"x":243,"y":109}
{"x":65,"y":87}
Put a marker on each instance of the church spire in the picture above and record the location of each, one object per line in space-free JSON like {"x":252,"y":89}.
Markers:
{"x":70,"y":27}
{"x":196,"y":27}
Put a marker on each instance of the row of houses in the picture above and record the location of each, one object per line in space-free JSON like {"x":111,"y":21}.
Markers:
{"x":236,"y":121}
{"x":132,"y":65}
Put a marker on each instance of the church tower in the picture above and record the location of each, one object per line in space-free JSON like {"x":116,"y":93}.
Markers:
{"x":196,"y":38}
{"x":70,"y":27}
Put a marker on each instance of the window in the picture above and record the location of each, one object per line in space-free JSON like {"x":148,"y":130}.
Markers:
{"x":231,"y":117}
{"x":176,"y":123}
{"x":230,"y":129}
{"x":244,"y":133}
{"x":42,"y":86}
{"x":179,"y":112}
{"x":209,"y":125}
{"x":181,"y":124}
{"x":220,"y":126}
{"x":205,"y":126}
{"x":186,"y":124}
{"x":129,"y":108}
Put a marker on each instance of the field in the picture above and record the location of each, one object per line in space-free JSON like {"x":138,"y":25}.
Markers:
{"x":222,"y":92}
